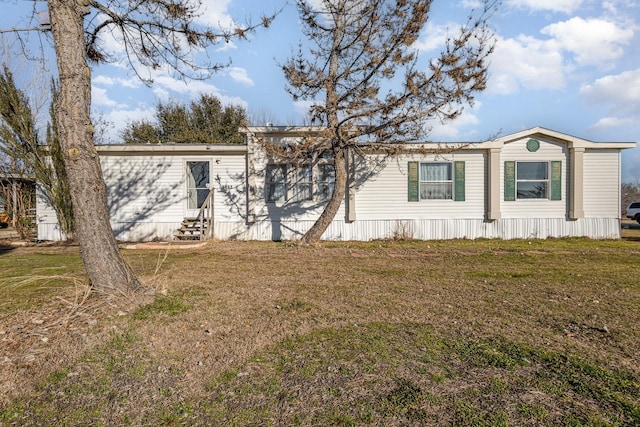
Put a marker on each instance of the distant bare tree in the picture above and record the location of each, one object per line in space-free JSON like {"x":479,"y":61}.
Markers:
{"x":360,"y":47}
{"x":630,"y":193}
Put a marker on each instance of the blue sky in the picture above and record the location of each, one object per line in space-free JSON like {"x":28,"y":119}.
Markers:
{"x":568,"y":65}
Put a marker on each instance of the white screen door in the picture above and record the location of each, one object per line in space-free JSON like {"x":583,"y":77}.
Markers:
{"x":198,"y":184}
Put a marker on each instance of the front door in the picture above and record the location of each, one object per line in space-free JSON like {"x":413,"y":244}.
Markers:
{"x":198,"y":184}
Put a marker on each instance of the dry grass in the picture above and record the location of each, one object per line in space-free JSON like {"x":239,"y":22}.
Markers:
{"x":379,"y":333}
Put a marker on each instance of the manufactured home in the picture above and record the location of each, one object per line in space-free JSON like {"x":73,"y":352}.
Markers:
{"x":537,"y":183}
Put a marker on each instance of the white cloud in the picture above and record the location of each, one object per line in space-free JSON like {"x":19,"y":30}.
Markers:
{"x":621,"y":91}
{"x":241,"y":76}
{"x":432,"y":37}
{"x":211,"y":14}
{"x":166,"y":87}
{"x":452,"y":130}
{"x":302,"y":107}
{"x":471,"y":4}
{"x":612,"y":123}
{"x":215,"y":13}
{"x":592,"y":41}
{"x":565,"y":6}
{"x":101,"y":79}
{"x":316,"y":4}
{"x":118,"y":119}
{"x":100,"y":97}
{"x":527,"y":63}
{"x":619,"y":7}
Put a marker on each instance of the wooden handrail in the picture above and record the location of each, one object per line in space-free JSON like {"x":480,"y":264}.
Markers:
{"x":207,"y":206}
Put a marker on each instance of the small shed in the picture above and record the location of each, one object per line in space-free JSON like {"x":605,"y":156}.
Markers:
{"x":17,"y":194}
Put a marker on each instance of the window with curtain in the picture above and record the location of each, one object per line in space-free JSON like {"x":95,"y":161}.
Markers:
{"x":436,"y":181}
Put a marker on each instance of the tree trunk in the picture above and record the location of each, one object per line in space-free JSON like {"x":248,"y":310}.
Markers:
{"x":330,"y":211}
{"x":106,"y":269}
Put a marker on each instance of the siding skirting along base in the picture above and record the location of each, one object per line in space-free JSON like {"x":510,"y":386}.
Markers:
{"x":435,"y":229}
{"x":363,"y":230}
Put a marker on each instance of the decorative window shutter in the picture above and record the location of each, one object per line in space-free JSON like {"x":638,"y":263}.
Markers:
{"x":509,"y":181}
{"x":413,"y":178}
{"x":459,"y":181}
{"x":556,"y":180}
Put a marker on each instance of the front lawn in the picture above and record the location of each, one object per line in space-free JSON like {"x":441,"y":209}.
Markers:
{"x":451,"y":333}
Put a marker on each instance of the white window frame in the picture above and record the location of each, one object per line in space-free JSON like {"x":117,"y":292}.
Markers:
{"x":424,"y":182}
{"x":546,"y":181}
{"x":269,"y":183}
{"x":325,"y":183}
{"x":300,"y":184}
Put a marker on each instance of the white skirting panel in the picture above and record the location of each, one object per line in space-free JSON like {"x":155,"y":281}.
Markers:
{"x":145,"y":231}
{"x":50,"y":231}
{"x":424,"y":229}
{"x":429,"y":229}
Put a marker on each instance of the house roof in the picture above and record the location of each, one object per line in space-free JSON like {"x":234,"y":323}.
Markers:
{"x":300,"y":131}
{"x":540,"y":132}
{"x":17,"y":177}
{"x":168,"y":148}
{"x":536,"y":132}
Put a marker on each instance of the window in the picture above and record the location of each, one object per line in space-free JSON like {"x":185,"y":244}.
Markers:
{"x":296,"y":184}
{"x":436,"y":181}
{"x":197,"y":183}
{"x":532,"y":180}
{"x":300,"y":184}
{"x":325,"y":180}
{"x":276,"y":183}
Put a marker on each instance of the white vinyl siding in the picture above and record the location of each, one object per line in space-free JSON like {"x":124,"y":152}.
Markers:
{"x":384,"y":193}
{"x":601,"y":184}
{"x":147,"y":194}
{"x":228,"y":179}
{"x":144,"y":188}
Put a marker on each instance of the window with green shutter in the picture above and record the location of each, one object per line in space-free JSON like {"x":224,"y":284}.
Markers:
{"x":413,"y":181}
{"x":436,"y":181}
{"x":509,"y":181}
{"x":556,"y":180}
{"x":532,"y":180}
{"x":459,"y":181}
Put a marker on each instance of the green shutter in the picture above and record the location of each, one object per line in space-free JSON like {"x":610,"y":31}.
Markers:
{"x":509,"y":181}
{"x":458,"y":181}
{"x":556,"y":180}
{"x":413,"y":181}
